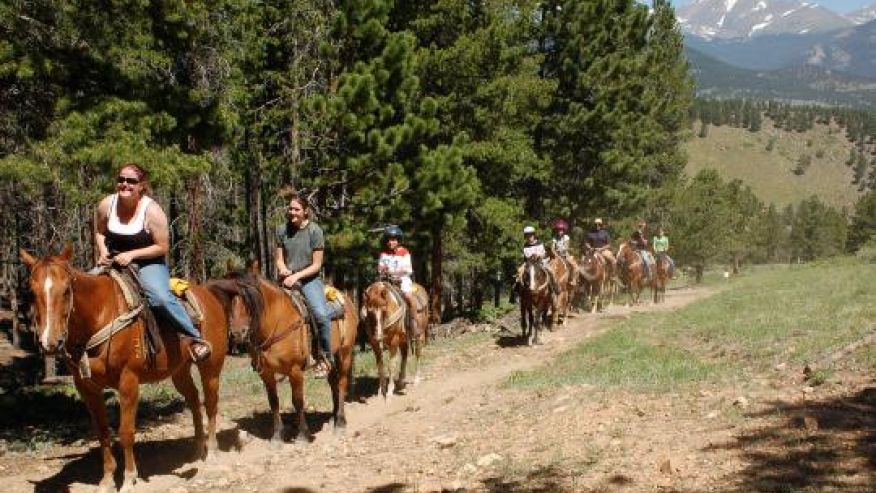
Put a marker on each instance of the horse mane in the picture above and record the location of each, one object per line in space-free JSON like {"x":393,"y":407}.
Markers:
{"x":244,"y":284}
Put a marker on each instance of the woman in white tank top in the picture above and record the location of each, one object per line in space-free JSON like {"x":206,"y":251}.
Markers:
{"x":132,"y":228}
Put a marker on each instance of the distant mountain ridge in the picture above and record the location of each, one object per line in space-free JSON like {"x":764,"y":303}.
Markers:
{"x":733,"y":19}
{"x":800,"y":83}
{"x":863,"y":15}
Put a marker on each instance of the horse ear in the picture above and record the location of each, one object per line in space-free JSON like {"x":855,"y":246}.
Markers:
{"x":66,"y":253}
{"x":27,"y":258}
{"x":254,"y":267}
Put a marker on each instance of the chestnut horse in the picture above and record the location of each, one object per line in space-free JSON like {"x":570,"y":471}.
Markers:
{"x":280,"y":343}
{"x":565,"y":273}
{"x":595,"y":277}
{"x":535,"y":299}
{"x":631,"y":271}
{"x":384,"y":322}
{"x":660,"y":278}
{"x":72,"y":307}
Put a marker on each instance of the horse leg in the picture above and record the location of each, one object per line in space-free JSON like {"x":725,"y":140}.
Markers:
{"x":296,"y":381}
{"x":404,"y":347}
{"x":94,"y":401}
{"x":340,"y":381}
{"x":210,"y":382}
{"x":418,"y":350}
{"x":377,"y":349}
{"x":523,"y":318}
{"x":274,"y":402}
{"x":393,"y":361}
{"x":184,"y":384}
{"x":129,"y":393}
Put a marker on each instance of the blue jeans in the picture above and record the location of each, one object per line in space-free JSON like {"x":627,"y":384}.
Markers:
{"x":155,"y":279}
{"x":314,"y":292}
{"x":647,"y":261}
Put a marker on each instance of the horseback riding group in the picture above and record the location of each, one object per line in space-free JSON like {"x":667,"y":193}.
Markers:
{"x":551,"y":279}
{"x":126,"y":322}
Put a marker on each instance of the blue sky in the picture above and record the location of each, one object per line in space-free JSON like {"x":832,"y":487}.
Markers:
{"x":836,"y":5}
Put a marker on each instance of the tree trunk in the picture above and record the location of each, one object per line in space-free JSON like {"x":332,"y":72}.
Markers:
{"x":198,"y":268}
{"x":437,"y":293}
{"x":699,"y":272}
{"x":477,"y":294}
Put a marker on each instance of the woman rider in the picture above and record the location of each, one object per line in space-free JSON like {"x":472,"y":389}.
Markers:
{"x":298,"y":257}
{"x":132,"y":229}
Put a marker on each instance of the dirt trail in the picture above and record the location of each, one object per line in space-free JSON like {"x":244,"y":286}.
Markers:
{"x":460,"y":430}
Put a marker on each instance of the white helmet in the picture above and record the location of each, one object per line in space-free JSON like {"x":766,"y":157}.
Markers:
{"x":528,"y":230}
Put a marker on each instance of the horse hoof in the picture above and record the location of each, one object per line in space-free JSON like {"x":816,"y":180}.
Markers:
{"x":106,"y":486}
{"x":275,"y":443}
{"x":301,"y":441}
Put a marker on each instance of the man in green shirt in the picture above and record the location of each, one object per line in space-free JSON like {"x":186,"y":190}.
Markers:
{"x":660,"y":242}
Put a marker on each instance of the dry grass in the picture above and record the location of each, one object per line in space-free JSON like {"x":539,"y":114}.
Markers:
{"x":738,"y":153}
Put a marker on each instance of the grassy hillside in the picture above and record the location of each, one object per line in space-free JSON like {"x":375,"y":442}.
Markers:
{"x":739,"y":153}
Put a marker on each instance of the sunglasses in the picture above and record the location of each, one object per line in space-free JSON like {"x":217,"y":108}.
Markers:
{"x":128,"y":180}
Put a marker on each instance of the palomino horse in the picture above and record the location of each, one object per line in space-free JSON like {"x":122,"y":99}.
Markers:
{"x":280,"y":343}
{"x":631,"y":271}
{"x":661,"y":278}
{"x":74,"y":311}
{"x":565,"y":272}
{"x":595,"y":277}
{"x":535,"y":299}
{"x":384,"y":321}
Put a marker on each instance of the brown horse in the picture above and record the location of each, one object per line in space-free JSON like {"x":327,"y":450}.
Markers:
{"x":535,"y":299}
{"x":280,"y":343}
{"x":563,"y":275}
{"x":595,"y":278}
{"x":72,"y":307}
{"x":631,"y":271}
{"x":661,"y":278}
{"x":384,"y":322}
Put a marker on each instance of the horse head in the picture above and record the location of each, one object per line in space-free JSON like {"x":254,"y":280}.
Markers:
{"x":241,"y":294}
{"x":51,"y":281}
{"x":535,"y":277}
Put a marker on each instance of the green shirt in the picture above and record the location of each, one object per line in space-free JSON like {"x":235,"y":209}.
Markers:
{"x":299,"y":244}
{"x":661,"y":243}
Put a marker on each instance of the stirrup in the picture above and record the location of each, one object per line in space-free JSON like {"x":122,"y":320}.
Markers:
{"x":200,"y":349}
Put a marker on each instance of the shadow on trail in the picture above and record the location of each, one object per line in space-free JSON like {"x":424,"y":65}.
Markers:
{"x":154,"y":458}
{"x":260,"y":424}
{"x":56,"y":413}
{"x":366,"y":387}
{"x":818,"y":446}
{"x":506,"y":341}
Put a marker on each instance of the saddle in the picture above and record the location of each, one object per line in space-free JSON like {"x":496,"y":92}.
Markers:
{"x":420,"y":303}
{"x":336,"y":302}
{"x":128,"y":281}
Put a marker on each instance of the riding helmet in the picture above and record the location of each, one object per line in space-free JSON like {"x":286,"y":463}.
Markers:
{"x":529,"y":230}
{"x":393,"y":231}
{"x":560,"y":224}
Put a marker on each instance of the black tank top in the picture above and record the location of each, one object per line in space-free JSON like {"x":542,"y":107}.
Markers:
{"x":131,"y":236}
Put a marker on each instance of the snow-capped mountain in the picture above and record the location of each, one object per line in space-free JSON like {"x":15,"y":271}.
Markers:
{"x":732,"y":19}
{"x":862,"y":16}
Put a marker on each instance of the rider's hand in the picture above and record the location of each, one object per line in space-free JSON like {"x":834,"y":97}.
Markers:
{"x":104,"y":260}
{"x":123,"y":259}
{"x":284,"y":273}
{"x":290,"y":280}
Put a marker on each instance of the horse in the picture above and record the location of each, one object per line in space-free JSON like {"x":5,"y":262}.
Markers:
{"x":661,"y":278}
{"x":631,"y":271}
{"x":384,"y":323}
{"x":535,"y":299}
{"x":595,"y":276}
{"x":86,"y":319}
{"x":564,"y":275}
{"x":280,"y":343}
